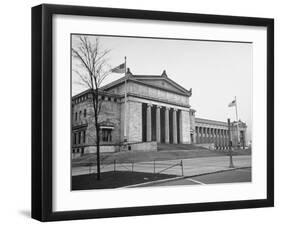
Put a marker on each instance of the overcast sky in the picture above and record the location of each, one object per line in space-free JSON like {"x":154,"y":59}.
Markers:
{"x":216,"y":71}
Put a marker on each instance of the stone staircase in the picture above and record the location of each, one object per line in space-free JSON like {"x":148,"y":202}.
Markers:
{"x":167,"y":147}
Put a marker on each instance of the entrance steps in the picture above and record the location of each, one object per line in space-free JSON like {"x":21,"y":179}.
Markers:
{"x":167,"y":147}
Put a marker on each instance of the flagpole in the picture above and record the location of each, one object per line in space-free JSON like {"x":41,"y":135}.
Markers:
{"x":125,"y":103}
{"x":238,"y":137}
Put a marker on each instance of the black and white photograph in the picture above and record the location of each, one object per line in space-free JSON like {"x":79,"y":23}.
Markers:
{"x":151,"y":112}
{"x":142,"y":112}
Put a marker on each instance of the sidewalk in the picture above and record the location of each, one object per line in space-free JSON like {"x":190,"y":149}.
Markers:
{"x":191,"y":167}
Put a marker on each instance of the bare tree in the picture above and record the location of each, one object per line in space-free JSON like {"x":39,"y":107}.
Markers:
{"x":93,"y":69}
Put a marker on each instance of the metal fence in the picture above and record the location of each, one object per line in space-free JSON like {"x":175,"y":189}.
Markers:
{"x":174,"y":167}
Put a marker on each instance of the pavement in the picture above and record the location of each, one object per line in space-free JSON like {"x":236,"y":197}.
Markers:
{"x":230,"y":176}
{"x":189,"y":167}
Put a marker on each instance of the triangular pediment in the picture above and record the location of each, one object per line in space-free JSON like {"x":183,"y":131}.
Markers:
{"x":160,"y":82}
{"x":155,"y":81}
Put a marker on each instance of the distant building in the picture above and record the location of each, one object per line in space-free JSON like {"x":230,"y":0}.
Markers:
{"x":158,"y":111}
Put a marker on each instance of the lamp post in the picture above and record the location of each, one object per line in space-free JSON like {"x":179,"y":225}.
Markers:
{"x":230,"y":145}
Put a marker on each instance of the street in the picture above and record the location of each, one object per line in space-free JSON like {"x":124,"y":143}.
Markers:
{"x":190,"y":167}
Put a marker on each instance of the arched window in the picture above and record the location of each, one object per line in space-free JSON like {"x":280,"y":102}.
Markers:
{"x":85,"y":113}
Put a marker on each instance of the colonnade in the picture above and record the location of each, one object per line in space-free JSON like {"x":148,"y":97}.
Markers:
{"x":170,"y":126}
{"x":220,"y":137}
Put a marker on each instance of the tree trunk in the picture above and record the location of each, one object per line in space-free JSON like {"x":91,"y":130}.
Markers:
{"x":98,"y":149}
{"x":95,"y":104}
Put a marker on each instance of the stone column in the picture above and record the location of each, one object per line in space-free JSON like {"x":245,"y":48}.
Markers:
{"x":210,"y":135}
{"x":181,"y":132}
{"x":196,"y":132}
{"x":222,"y":143}
{"x":158,"y":124}
{"x":224,"y":138}
{"x":203,"y":135}
{"x":148,"y":122}
{"x":198,"y":135}
{"x":219,"y":135}
{"x":175,"y":130}
{"x":167,"y":129}
{"x":215,"y":137}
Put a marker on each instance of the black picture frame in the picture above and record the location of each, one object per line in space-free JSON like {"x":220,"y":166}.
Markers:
{"x":42,"y":86}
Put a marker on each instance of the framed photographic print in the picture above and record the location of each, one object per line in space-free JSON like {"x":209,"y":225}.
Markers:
{"x":146,"y":112}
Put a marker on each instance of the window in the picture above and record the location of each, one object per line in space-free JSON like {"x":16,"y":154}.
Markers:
{"x":74,"y":138}
{"x":84,"y":136}
{"x":109,"y":98}
{"x":85,"y":113}
{"x":102,"y":97}
{"x":80,"y":114}
{"x":76,"y":116}
{"x":79,"y":137}
{"x":115,"y":100}
{"x":106,"y":135}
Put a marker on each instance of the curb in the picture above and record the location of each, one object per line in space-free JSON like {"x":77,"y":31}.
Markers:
{"x":184,"y":177}
{"x":153,"y":182}
{"x":218,"y":171}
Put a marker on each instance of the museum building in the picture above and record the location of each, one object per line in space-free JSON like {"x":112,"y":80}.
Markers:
{"x":156,"y":111}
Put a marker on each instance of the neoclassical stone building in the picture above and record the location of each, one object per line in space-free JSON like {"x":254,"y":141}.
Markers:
{"x":157,"y":110}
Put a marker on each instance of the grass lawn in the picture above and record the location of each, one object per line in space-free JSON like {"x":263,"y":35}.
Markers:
{"x":114,"y":179}
{"x":140,"y":156}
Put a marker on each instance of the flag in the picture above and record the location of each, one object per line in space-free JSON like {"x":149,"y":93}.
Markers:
{"x":232,"y":103}
{"x":119,"y":69}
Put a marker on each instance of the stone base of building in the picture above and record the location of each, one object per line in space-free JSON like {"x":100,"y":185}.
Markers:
{"x":210,"y":146}
{"x":103,"y":149}
{"x":140,"y":146}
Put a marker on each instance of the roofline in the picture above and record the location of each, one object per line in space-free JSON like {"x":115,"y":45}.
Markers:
{"x":215,"y":121}
{"x":102,"y":92}
{"x":131,"y":78}
{"x":210,"y":120}
{"x":158,"y":100}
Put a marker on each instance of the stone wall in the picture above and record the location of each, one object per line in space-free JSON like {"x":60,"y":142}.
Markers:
{"x":144,"y":146}
{"x":210,"y":146}
{"x":185,"y":127}
{"x":134,"y":121}
{"x":155,"y":93}
{"x":103,"y":149}
{"x":110,"y":112}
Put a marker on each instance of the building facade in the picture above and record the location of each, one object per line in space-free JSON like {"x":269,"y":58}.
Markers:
{"x":157,"y":110}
